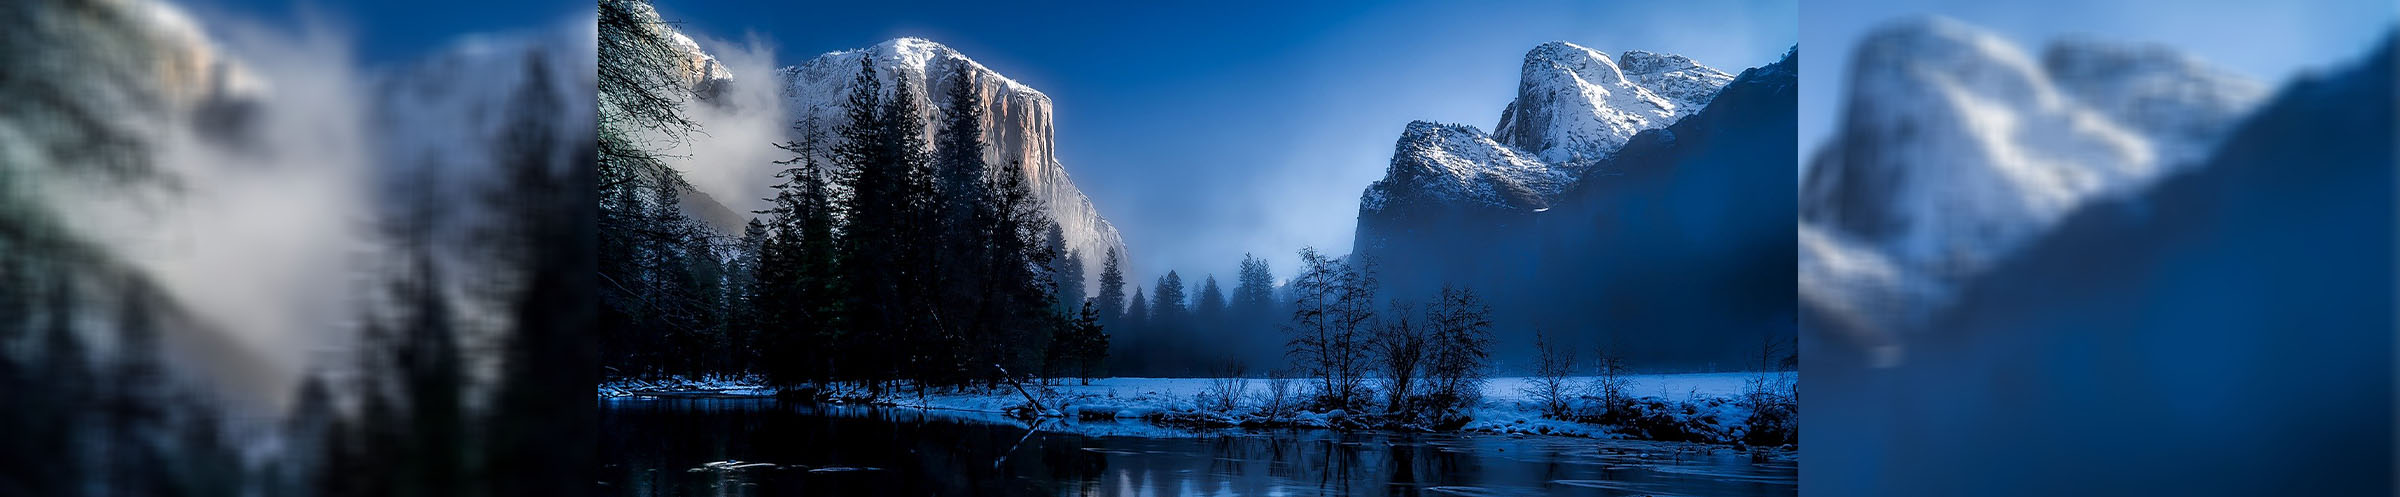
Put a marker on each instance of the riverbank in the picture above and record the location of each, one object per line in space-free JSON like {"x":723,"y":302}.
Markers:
{"x":1695,"y":407}
{"x":676,"y":445}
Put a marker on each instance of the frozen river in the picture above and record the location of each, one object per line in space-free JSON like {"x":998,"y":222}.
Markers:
{"x":665,"y":447}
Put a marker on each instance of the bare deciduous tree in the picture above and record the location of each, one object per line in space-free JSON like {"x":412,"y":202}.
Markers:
{"x":1332,"y":306}
{"x":1552,"y":365}
{"x":1225,"y":386}
{"x":1770,"y":384}
{"x":1460,"y":329}
{"x":1610,"y":382}
{"x":1399,"y":347}
{"x":1277,"y":400}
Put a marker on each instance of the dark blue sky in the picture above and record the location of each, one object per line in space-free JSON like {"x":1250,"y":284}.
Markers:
{"x":1207,"y":132}
{"x":394,"y":31}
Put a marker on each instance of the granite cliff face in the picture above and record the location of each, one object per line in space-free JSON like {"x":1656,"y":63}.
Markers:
{"x":1017,"y":125}
{"x":1017,"y":122}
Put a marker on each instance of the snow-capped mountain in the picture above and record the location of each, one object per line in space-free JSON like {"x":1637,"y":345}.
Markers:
{"x":1017,"y":124}
{"x":1682,"y":213}
{"x":1956,"y":147}
{"x":1574,"y":106}
{"x":1575,"y":103}
{"x":1445,"y":163}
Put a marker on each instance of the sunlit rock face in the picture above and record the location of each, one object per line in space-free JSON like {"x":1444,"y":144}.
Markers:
{"x":1017,"y":125}
{"x":1017,"y":128}
{"x":1576,"y":104}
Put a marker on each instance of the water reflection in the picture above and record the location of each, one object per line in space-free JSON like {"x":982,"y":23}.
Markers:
{"x":660,"y":447}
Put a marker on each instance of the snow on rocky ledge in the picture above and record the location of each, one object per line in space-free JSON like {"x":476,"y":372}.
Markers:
{"x":1453,"y":162}
{"x":1575,"y":103}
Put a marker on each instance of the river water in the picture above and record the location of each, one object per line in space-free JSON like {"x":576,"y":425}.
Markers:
{"x":664,"y":447}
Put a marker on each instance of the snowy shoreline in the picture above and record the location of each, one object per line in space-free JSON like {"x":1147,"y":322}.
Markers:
{"x":1704,"y":403}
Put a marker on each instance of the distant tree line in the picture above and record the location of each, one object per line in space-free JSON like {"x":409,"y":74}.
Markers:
{"x":1173,"y":328}
{"x":1426,"y":362}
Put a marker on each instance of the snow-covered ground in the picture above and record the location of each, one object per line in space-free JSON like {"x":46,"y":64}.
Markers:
{"x":733,"y":386}
{"x":1507,"y":404}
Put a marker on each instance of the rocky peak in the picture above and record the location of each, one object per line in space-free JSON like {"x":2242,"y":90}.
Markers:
{"x":699,"y":70}
{"x":1576,"y":104}
{"x":1454,"y":164}
{"x":1676,"y":78}
{"x":2182,"y":104}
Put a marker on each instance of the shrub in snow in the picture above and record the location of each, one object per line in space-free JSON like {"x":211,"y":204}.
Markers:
{"x":1612,"y":386}
{"x":1773,"y":420}
{"x":1225,"y":387}
{"x":1276,"y":402}
{"x":1697,"y":419}
{"x":1549,"y":388}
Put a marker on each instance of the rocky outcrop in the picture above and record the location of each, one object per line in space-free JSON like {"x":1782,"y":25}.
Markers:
{"x":1575,"y":104}
{"x":1457,"y":164}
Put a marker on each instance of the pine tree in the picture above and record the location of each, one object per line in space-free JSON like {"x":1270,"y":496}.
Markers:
{"x":1112,"y":289}
{"x":959,"y":150}
{"x":939,"y":346}
{"x":1091,"y":343}
{"x":703,"y":270}
{"x":741,"y":292}
{"x":676,"y":292}
{"x":1137,"y":314}
{"x":1167,"y":305}
{"x":875,"y":179}
{"x":1208,"y":308}
{"x":1254,"y":289}
{"x":1066,"y":272}
{"x":796,"y":291}
{"x":819,"y":293}
{"x":1023,"y":306}
{"x":965,"y":212}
